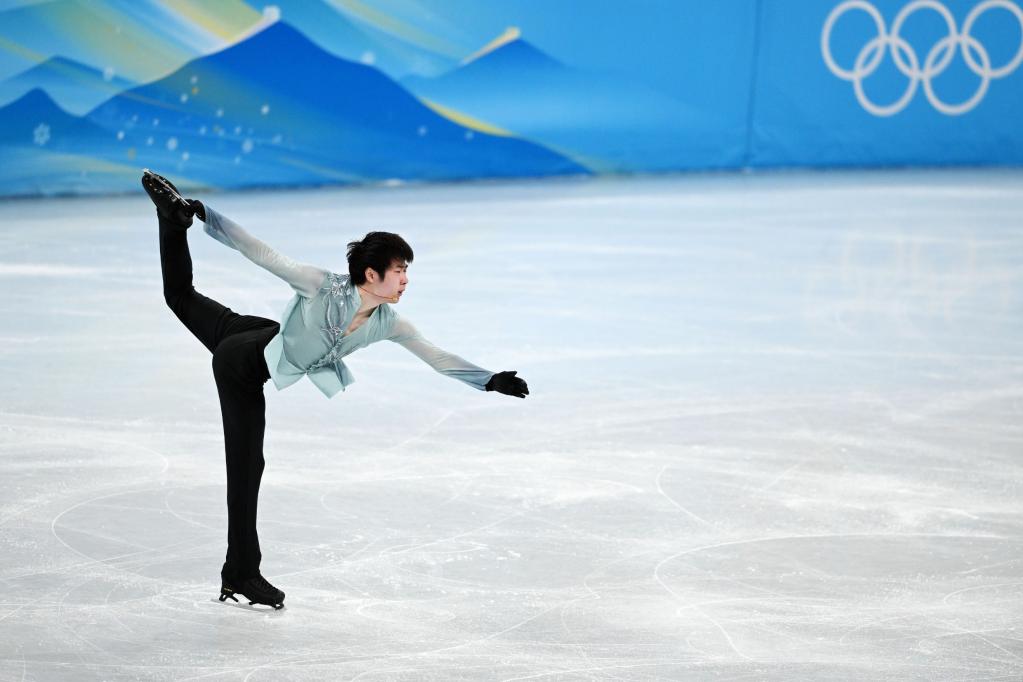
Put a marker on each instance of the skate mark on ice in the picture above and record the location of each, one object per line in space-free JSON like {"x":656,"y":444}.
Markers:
{"x":548,"y":673}
{"x":944,"y":600}
{"x":781,"y":476}
{"x":685,"y":511}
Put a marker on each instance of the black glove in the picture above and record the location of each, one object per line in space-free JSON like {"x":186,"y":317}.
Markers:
{"x":508,"y":383}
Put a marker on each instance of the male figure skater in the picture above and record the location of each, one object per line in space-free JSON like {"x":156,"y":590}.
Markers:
{"x":330,"y":316}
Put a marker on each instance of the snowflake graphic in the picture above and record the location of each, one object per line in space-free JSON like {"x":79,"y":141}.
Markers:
{"x":41,"y":134}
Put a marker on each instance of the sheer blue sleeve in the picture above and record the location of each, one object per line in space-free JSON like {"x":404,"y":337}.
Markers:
{"x":304,"y":279}
{"x":404,"y":332}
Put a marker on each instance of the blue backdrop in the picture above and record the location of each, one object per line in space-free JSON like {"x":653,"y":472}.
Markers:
{"x":889,"y":83}
{"x":234,"y":93}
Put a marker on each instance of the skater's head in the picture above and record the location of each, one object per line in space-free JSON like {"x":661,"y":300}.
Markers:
{"x":379,"y":263}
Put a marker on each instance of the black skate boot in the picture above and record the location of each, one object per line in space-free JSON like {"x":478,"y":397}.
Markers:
{"x":169,"y":202}
{"x":256,"y":589}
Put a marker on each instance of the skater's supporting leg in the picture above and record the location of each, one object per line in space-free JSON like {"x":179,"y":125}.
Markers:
{"x":240,"y":372}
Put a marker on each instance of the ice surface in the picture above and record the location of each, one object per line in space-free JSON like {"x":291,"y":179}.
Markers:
{"x":773,"y":432}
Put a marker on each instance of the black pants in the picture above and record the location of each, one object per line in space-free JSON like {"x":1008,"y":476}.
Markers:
{"x":236,"y":342}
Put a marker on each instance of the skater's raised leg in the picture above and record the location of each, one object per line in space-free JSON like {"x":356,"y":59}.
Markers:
{"x":208,"y":320}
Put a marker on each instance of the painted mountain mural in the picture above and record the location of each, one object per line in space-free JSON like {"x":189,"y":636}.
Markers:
{"x":36,"y":118}
{"x":138,"y":40}
{"x":46,"y":150}
{"x":332,"y":30}
{"x":607,"y":123}
{"x":238,"y":93}
{"x":74,"y":86}
{"x":274,"y":109}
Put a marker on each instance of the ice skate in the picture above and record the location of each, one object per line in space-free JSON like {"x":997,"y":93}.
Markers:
{"x":256,"y":589}
{"x":169,"y":202}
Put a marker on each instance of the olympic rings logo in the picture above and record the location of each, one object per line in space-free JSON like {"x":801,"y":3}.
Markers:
{"x":907,"y":61}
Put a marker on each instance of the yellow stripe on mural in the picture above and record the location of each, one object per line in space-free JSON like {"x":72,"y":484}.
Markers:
{"x":511,"y":33}
{"x":140,"y":54}
{"x":224,"y":19}
{"x":33,"y":161}
{"x":325,"y":171}
{"x":590,"y":163}
{"x":466,"y":120}
{"x":22,"y":51}
{"x":394,"y":26}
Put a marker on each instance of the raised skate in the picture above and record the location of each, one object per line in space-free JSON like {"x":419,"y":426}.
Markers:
{"x":169,"y":202}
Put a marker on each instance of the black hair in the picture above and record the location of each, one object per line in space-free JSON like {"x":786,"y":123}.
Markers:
{"x":377,"y":250}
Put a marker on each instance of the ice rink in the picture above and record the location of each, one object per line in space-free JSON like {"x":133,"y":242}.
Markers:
{"x":773,"y":433}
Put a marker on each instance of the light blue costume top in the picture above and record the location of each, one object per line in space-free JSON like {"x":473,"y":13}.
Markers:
{"x":312,"y":338}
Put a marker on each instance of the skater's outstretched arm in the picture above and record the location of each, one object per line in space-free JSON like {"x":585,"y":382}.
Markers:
{"x":305,"y":279}
{"x":448,"y":364}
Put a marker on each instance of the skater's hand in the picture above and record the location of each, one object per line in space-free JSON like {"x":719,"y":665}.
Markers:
{"x":509,"y":384}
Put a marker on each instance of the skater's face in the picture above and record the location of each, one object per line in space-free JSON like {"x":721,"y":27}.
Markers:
{"x":394,"y":282}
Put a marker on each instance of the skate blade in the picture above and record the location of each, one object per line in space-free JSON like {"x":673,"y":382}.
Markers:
{"x":226,"y":593}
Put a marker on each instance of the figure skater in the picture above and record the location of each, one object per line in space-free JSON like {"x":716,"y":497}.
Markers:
{"x":330,"y":316}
